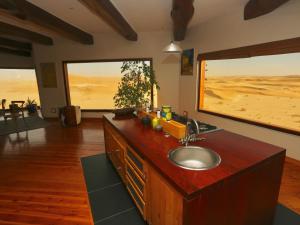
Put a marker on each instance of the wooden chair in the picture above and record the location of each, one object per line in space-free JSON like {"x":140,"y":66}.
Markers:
{"x":3,"y":110}
{"x":16,"y":111}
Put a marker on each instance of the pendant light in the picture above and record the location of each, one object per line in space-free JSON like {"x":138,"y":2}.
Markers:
{"x":172,"y":48}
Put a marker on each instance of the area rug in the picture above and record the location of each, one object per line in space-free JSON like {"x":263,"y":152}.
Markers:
{"x":111,"y":205}
{"x":30,"y":123}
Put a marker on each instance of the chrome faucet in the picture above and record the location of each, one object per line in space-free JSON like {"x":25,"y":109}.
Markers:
{"x":191,"y":137}
{"x":186,"y":138}
{"x":197,"y":126}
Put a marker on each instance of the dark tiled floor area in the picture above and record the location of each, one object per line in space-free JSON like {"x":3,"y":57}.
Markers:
{"x":109,"y":200}
{"x":111,"y":204}
{"x":98,"y":172}
{"x":131,"y":217}
{"x":285,"y":216}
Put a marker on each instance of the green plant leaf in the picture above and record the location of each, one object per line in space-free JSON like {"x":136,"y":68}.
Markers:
{"x":134,"y":89}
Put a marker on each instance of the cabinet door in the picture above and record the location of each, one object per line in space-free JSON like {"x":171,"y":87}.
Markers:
{"x":165,"y":204}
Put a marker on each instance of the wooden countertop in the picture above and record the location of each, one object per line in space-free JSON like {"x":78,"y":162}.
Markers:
{"x":237,"y":152}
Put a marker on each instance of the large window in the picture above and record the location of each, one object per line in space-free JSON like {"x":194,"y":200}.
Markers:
{"x":18,"y":85}
{"x":261,"y":89}
{"x":92,"y":85}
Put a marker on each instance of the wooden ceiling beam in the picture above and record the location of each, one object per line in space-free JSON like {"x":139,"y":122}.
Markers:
{"x":18,"y":52}
{"x":182,"y":12}
{"x":15,"y":44}
{"x":110,"y":14}
{"x":11,"y":30}
{"x":37,"y":16}
{"x":256,"y":8}
{"x":9,"y":7}
{"x":7,"y":4}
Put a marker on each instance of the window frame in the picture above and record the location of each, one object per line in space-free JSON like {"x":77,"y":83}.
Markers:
{"x":271,"y":48}
{"x":66,"y":77}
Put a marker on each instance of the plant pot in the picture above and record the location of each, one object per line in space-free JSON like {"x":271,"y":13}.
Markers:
{"x":123,"y":112}
{"x":32,"y":108}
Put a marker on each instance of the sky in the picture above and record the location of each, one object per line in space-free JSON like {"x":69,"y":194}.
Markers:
{"x":84,"y":69}
{"x":95,"y":68}
{"x":17,"y":74}
{"x":277,"y":65}
{"x":286,"y":64}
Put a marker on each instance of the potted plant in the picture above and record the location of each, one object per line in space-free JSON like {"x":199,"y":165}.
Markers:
{"x":31,"y":106}
{"x":136,"y":86}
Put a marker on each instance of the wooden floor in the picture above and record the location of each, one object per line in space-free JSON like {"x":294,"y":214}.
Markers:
{"x":41,"y":181}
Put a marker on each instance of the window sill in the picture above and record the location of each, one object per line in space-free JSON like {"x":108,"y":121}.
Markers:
{"x":272,"y":127}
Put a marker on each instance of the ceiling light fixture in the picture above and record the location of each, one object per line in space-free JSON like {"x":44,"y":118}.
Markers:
{"x":172,"y":48}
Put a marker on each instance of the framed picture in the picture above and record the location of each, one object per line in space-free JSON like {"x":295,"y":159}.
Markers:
{"x":48,"y":74}
{"x":187,"y":62}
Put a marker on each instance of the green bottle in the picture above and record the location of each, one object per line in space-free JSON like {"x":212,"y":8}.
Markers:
{"x":155,"y":120}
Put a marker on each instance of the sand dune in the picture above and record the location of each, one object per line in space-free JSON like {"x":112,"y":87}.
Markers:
{"x":93,"y":92}
{"x":12,"y":91}
{"x":87,"y":92}
{"x":269,"y":99}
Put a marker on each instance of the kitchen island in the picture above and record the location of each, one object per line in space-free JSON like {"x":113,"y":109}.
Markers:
{"x":242,"y":190}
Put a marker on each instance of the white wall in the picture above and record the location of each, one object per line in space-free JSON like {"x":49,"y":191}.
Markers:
{"x":14,"y":61}
{"x":110,"y":46}
{"x":232,"y":31}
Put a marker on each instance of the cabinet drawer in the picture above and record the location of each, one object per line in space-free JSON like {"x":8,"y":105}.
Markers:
{"x":136,"y":180}
{"x":119,"y":166}
{"x":139,"y":202}
{"x":135,"y":161}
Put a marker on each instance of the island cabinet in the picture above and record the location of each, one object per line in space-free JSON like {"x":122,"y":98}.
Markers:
{"x":242,"y":190}
{"x":158,"y":202}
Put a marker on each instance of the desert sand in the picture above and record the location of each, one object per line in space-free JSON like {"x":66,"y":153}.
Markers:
{"x":272,"y":100}
{"x":12,"y":91}
{"x":93,"y":92}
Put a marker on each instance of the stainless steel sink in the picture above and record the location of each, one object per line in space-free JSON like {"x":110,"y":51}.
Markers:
{"x":194,"y":158}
